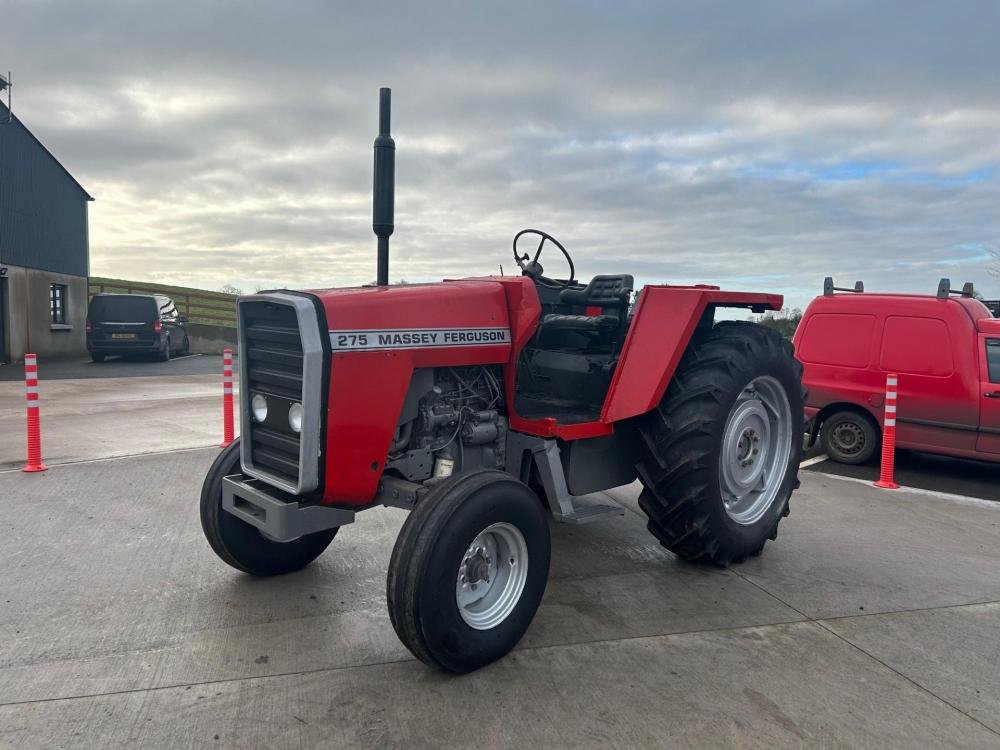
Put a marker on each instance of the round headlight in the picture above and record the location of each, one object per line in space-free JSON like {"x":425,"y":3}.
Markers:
{"x":295,"y":417}
{"x":259,"y":407}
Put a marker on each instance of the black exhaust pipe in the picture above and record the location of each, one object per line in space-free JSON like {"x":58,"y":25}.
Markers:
{"x":385,"y":185}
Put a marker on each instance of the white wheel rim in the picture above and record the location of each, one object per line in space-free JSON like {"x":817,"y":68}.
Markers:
{"x":491,"y":576}
{"x":756,"y":447}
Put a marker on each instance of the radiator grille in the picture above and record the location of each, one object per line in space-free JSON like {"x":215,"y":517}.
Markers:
{"x":271,"y":346}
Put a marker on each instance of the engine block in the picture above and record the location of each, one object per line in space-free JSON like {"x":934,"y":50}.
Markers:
{"x":452,"y":423}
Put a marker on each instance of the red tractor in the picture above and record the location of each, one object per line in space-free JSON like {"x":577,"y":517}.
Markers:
{"x":485,"y":405}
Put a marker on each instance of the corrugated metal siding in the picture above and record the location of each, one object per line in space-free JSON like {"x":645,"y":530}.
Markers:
{"x":43,"y":211}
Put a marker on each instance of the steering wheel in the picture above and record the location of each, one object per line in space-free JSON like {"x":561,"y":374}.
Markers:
{"x":534,"y":269}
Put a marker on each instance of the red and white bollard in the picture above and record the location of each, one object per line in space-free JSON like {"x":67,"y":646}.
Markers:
{"x":886,"y":480}
{"x":227,"y":397}
{"x":34,"y":425}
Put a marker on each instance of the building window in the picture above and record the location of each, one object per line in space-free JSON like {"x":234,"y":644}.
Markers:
{"x":57,"y":303}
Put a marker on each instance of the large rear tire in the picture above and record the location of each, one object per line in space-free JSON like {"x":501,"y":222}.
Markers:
{"x":468,"y":570}
{"x":720,"y":455}
{"x":241,"y":545}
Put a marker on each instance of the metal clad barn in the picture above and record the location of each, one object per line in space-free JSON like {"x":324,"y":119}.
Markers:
{"x":44,"y":248}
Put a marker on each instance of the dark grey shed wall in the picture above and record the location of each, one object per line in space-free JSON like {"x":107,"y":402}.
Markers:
{"x":43,"y":210}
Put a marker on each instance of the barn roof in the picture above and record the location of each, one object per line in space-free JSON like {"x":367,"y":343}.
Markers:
{"x":14,"y":119}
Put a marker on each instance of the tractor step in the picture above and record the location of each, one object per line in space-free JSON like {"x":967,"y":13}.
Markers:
{"x":589,"y":513}
{"x":562,"y":504}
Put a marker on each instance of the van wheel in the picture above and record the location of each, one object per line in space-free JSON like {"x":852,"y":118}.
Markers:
{"x":95,"y":357}
{"x":719,"y":457}
{"x":164,"y":355}
{"x":241,"y":545}
{"x":849,"y":437}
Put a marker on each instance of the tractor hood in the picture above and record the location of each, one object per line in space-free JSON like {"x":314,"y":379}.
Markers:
{"x":379,"y":335}
{"x":417,"y":316}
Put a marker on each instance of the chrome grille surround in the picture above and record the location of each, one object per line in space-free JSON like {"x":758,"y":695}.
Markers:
{"x":285,"y":369}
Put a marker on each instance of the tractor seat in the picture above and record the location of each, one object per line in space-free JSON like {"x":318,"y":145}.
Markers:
{"x":602,"y":291}
{"x":590,"y":323}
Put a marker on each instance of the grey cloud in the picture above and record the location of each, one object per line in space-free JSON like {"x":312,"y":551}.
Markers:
{"x":759,"y":145}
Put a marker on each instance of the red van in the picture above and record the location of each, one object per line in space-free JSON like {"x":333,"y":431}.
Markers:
{"x":946,"y":350}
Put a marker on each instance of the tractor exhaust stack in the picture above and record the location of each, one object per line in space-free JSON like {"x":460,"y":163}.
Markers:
{"x":385,"y":185}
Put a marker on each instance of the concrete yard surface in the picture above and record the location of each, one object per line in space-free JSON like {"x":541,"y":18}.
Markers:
{"x":873,"y":620}
{"x":928,"y":471}
{"x":88,"y":418}
{"x":137,"y":366}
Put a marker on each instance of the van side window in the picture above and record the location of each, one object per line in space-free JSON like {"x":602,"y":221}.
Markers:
{"x":916,"y":346}
{"x":993,"y":359}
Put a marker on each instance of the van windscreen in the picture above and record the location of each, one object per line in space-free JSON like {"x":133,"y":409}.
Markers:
{"x":122,"y":309}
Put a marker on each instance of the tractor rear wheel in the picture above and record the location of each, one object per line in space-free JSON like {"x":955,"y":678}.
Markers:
{"x":468,"y":570}
{"x":241,"y":545}
{"x":720,"y":455}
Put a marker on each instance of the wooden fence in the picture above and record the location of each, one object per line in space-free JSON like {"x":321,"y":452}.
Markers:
{"x":200,"y":306}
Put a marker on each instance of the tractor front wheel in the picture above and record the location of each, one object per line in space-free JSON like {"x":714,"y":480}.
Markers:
{"x":468,"y":570}
{"x":720,"y":454}
{"x":241,"y":545}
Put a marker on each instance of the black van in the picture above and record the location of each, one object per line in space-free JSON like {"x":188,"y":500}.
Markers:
{"x":135,"y":323}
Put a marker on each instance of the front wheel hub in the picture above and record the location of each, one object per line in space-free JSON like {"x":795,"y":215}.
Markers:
{"x":491,"y":576}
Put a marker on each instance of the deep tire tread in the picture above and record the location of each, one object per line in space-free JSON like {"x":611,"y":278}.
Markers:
{"x":679,"y":441}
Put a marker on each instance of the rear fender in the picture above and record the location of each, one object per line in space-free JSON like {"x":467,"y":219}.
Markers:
{"x":664,"y":322}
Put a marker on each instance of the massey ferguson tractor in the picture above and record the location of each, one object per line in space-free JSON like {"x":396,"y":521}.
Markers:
{"x":487,"y":405}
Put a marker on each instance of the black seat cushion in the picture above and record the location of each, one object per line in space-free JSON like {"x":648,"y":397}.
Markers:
{"x":592,"y":323}
{"x":602,"y":291}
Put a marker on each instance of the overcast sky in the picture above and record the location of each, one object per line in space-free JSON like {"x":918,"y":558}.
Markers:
{"x":758,"y":145}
